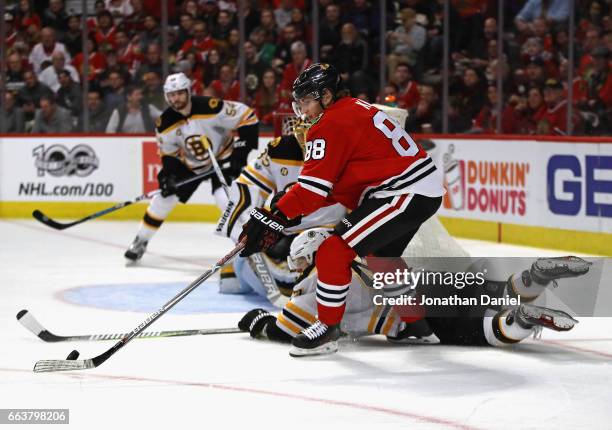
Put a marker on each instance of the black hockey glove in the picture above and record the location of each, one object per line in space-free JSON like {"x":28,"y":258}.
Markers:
{"x":255,"y":321}
{"x":167,"y":185}
{"x":237,"y":160}
{"x":263,"y":230}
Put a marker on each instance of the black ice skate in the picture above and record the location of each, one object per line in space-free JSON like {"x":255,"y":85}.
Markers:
{"x":136,"y":249}
{"x":529,"y":316}
{"x":544,"y":270}
{"x":315,"y":340}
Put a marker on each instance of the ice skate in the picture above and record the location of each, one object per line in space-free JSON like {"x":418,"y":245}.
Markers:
{"x":136,"y":249}
{"x":544,"y":270}
{"x":317,"y":339}
{"x":529,"y":316}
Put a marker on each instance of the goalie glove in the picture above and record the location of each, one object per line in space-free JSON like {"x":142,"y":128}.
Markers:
{"x":263,"y":230}
{"x":544,"y":270}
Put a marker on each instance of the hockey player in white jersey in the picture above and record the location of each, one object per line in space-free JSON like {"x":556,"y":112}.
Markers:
{"x":494,"y":326}
{"x":275,"y":169}
{"x":184,"y":131}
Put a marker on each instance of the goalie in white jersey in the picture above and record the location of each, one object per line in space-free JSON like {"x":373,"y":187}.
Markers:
{"x":275,"y":169}
{"x":184,"y":131}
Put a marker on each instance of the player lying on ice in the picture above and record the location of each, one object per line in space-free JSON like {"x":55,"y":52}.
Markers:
{"x":481,"y":325}
{"x":356,"y":155}
{"x":275,"y":169}
{"x":183,"y":132}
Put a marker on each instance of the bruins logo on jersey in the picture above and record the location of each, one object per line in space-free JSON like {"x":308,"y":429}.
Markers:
{"x":213,"y":103}
{"x":197,"y":148}
{"x":284,"y":171}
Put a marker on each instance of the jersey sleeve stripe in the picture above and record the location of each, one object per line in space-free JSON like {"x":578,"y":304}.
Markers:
{"x":314,"y":189}
{"x":323,"y":182}
{"x":262,"y":178}
{"x":256,"y":182}
{"x":318,"y":185}
{"x":287,"y":162}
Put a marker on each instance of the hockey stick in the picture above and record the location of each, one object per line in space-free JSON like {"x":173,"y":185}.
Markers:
{"x":49,"y":222}
{"x":256,"y":261}
{"x":70,"y":364}
{"x":29,"y":322}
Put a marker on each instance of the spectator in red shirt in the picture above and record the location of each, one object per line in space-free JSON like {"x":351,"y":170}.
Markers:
{"x":106,"y":31}
{"x":299,"y":63}
{"x":227,"y":86}
{"x":554,"y":120}
{"x":212,"y":67}
{"x":128,"y":52}
{"x":201,"y":43}
{"x":408,"y":91}
{"x":97,"y":61}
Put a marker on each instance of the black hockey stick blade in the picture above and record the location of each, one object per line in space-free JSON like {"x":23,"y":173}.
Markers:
{"x":29,"y":322}
{"x":39,"y":216}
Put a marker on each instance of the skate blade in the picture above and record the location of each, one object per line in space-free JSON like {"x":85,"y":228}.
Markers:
{"x":328,"y":348}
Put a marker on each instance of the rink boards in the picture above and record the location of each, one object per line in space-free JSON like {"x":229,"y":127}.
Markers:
{"x":554,"y":193}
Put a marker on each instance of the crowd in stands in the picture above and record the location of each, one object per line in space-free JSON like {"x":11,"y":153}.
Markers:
{"x":44,"y":61}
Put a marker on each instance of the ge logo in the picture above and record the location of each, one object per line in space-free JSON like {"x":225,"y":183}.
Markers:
{"x":57,"y":160}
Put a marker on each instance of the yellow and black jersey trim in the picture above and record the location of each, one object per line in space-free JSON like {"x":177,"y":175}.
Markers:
{"x":244,"y":202}
{"x":256,"y":178}
{"x":248,"y":118}
{"x":381,"y":320}
{"x":286,"y":150}
{"x":294,"y":318}
{"x":201,"y":108}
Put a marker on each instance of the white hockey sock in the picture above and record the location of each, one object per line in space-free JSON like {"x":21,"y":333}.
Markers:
{"x":499,"y":332}
{"x":523,"y":285}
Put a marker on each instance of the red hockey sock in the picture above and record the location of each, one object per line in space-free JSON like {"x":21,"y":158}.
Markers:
{"x":333,"y":263}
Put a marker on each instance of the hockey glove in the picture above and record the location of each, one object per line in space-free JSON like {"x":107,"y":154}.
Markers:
{"x":263,"y":230}
{"x":167,"y":185}
{"x":255,"y":322}
{"x":237,"y":160}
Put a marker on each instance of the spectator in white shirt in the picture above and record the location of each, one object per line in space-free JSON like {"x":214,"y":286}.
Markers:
{"x":44,"y":50}
{"x":50,"y":75}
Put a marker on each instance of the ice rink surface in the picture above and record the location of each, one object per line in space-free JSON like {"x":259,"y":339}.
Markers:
{"x":563,"y":381}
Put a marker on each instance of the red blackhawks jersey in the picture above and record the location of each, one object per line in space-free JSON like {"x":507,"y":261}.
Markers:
{"x":356,"y":152}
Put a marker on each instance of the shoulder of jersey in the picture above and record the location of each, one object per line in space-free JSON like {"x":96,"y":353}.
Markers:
{"x":285,"y":148}
{"x":202,"y":106}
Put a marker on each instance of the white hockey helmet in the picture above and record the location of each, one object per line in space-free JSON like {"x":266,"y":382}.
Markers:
{"x":304,"y":246}
{"x":176,"y":82}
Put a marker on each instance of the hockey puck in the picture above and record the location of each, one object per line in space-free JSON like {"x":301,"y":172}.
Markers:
{"x":73,"y":355}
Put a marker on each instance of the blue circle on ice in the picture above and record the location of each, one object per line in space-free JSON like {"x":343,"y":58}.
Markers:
{"x":149,"y":297}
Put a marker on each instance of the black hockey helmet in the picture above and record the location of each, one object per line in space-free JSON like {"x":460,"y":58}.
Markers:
{"x":314,"y":80}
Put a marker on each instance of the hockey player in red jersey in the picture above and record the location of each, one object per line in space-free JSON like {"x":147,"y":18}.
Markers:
{"x":358,"y":156}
